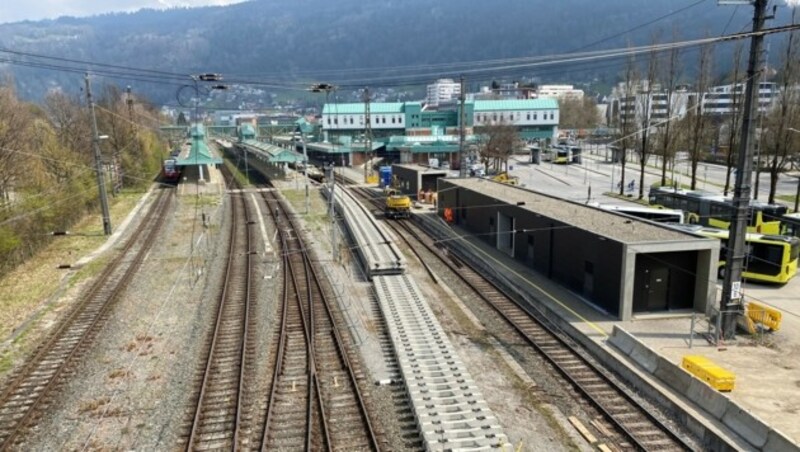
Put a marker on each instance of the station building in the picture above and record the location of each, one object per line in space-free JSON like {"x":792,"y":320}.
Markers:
{"x":413,"y":132}
{"x":621,"y":265}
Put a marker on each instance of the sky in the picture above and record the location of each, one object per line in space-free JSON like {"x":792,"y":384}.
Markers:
{"x":17,"y":10}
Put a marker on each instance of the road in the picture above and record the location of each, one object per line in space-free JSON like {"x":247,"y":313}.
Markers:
{"x":574,"y":181}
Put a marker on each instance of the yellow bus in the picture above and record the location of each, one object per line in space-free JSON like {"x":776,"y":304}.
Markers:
{"x":716,"y":211}
{"x":768,"y":258}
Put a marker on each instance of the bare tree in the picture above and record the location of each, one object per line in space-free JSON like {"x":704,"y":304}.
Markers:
{"x":645,"y":107}
{"x":578,"y":113}
{"x":698,"y":121}
{"x":14,"y":122}
{"x":666,"y":137}
{"x":778,"y":138}
{"x":499,"y":141}
{"x":734,"y":122}
{"x":71,"y":123}
{"x":626,"y":122}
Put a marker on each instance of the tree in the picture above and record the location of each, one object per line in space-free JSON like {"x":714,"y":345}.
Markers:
{"x":665,"y":136}
{"x":498,"y":142}
{"x":578,"y":113}
{"x":697,"y":120}
{"x":777,"y":136}
{"x":734,"y":122}
{"x":626,"y":120}
{"x":15,"y":120}
{"x":645,"y":107}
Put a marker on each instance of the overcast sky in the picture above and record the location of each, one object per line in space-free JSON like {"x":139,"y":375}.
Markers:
{"x":16,"y":10}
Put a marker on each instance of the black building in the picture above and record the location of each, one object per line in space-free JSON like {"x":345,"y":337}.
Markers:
{"x":623,"y":265}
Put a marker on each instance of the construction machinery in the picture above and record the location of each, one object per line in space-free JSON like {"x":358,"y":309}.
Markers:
{"x":398,"y":205}
{"x":505,"y":178}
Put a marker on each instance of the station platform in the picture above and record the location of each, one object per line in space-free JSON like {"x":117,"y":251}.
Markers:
{"x":211,"y":184}
{"x":766,"y":369}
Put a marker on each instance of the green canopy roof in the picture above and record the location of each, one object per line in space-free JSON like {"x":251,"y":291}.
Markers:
{"x":272,"y":153}
{"x":199,"y":154}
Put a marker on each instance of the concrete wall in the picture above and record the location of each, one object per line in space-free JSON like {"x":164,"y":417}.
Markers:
{"x":749,"y":427}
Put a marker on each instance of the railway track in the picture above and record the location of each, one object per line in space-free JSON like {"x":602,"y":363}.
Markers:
{"x":315,"y":401}
{"x":636,"y":427}
{"x":217,"y":420}
{"x":29,"y":391}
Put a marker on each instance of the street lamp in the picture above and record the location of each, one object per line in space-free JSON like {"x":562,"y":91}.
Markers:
{"x":327,"y":88}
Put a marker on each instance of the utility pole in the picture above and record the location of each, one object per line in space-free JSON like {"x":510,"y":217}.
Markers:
{"x":331,"y":175}
{"x":367,"y":135}
{"x":98,"y":163}
{"x":305,"y":168}
{"x":731,"y":302}
{"x":461,"y":132}
{"x":129,"y":102}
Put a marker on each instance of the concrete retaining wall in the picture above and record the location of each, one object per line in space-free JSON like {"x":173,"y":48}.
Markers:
{"x":709,"y":437}
{"x":756,"y":432}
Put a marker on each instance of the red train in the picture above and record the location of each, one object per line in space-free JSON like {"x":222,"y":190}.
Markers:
{"x":170,"y":173}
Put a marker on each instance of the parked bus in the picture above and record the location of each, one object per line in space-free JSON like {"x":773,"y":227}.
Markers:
{"x":769,"y":258}
{"x":790,"y":224}
{"x":563,"y":154}
{"x":657,"y":214}
{"x":716,"y":211}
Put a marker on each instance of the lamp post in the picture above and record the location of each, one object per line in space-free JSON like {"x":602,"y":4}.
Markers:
{"x":327,"y":88}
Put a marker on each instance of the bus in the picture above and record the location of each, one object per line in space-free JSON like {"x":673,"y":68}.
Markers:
{"x":657,"y":214}
{"x":716,"y":211}
{"x":790,"y":224}
{"x":563,"y":154}
{"x":768,"y":258}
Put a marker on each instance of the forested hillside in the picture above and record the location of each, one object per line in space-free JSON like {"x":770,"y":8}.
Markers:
{"x":287,"y":38}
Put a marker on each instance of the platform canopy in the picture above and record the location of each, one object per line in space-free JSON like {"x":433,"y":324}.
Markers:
{"x":199,"y":154}
{"x":273,"y":154}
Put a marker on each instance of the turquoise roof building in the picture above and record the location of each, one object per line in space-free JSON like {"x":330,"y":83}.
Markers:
{"x":534,"y":118}
{"x":199,"y":153}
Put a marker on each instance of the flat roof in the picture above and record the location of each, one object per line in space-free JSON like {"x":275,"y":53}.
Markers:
{"x":421,"y":169}
{"x":604,"y":223}
{"x":516,"y":104}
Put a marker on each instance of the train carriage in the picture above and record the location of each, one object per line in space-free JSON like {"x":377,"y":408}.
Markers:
{"x":170,"y":172}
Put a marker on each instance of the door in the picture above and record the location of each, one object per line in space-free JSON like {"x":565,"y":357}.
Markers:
{"x":657,"y":288}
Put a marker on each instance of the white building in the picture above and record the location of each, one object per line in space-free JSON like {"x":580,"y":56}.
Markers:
{"x":720,"y":99}
{"x":443,"y":91}
{"x":559,"y":92}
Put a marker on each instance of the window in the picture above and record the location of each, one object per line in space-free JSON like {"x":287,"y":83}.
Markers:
{"x":336,"y":120}
{"x":551,"y":115}
{"x":535,"y":116}
{"x":329,"y":121}
{"x":351,"y":120}
{"x":529,"y":116}
{"x":392,"y":119}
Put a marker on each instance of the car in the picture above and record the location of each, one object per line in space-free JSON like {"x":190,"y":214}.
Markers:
{"x":444,"y":165}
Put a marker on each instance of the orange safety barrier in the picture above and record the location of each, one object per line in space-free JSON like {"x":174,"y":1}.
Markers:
{"x":448,"y":214}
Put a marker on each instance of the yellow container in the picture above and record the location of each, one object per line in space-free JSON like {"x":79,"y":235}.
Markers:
{"x":765,"y":315}
{"x":705,"y":369}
